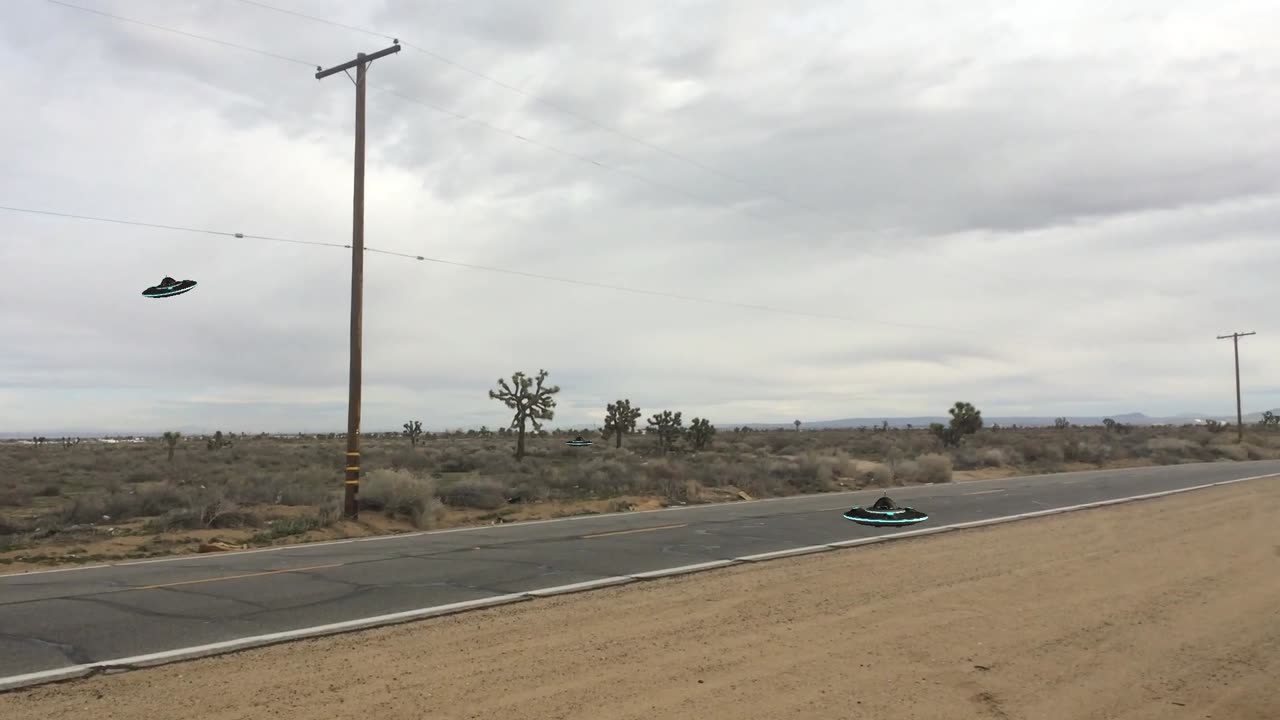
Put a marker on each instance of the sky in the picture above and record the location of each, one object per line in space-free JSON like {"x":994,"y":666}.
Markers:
{"x":837,"y":209}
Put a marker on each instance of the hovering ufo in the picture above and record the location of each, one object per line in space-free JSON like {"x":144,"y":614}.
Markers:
{"x":885,"y":512}
{"x":577,"y":442}
{"x":168,"y":287}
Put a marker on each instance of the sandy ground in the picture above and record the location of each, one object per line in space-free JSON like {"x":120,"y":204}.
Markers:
{"x":1164,"y":609}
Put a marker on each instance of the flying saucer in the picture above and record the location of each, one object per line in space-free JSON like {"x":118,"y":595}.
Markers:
{"x":885,"y":512}
{"x":168,"y":287}
{"x":577,"y":442}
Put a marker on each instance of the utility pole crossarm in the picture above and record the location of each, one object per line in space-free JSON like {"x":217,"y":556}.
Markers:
{"x":361,"y":59}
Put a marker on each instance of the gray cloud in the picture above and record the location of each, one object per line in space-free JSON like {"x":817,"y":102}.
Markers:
{"x":1067,"y":203}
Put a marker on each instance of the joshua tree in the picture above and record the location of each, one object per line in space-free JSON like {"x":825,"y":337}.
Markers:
{"x":530,"y":400}
{"x":797,"y":426}
{"x":620,"y":418}
{"x":965,"y":420}
{"x":171,"y":439}
{"x":413,"y":431}
{"x":1061,"y":423}
{"x":1269,"y":419}
{"x":700,"y":433}
{"x":668,"y":427}
{"x":217,"y":442}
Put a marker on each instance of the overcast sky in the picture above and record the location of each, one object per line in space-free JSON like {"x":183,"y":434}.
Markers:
{"x":1039,"y":207}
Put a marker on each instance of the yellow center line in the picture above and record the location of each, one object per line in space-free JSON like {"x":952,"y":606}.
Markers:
{"x":640,"y":530}
{"x":236,"y":577}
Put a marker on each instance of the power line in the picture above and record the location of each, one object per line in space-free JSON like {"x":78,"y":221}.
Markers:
{"x":193,"y":36}
{"x":487,"y":268}
{"x":482,"y":123}
{"x":579,"y":116}
{"x":180,"y":228}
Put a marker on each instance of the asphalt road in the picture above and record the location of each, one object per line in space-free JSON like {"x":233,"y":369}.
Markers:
{"x":79,"y":616}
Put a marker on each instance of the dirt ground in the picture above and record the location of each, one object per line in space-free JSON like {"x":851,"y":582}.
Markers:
{"x":1152,"y":610}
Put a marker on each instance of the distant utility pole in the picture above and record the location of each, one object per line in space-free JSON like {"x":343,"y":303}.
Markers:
{"x":1235,"y":340}
{"x":351,"y":498}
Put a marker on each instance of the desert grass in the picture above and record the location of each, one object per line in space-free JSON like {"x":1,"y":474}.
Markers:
{"x":94,"y":500}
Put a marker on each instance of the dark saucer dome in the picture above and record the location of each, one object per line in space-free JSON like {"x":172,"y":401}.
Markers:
{"x":168,"y":287}
{"x":885,"y":512}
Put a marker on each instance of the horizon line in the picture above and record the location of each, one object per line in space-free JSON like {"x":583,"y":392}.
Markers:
{"x":865,"y":421}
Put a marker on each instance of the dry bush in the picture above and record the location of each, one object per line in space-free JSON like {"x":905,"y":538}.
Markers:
{"x":400,"y":493}
{"x":52,"y":487}
{"x":474,"y":492}
{"x":931,"y":468}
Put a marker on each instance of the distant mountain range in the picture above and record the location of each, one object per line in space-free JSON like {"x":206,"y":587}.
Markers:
{"x":1136,"y":418}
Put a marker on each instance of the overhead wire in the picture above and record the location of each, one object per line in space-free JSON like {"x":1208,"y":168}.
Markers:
{"x":490,"y":126}
{"x":191,"y":35}
{"x":474,"y":266}
{"x":179,"y":228}
{"x":440,"y":260}
{"x":541,"y":100}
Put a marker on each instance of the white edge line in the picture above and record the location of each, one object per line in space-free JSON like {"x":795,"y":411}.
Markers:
{"x":735,"y":503}
{"x":578,"y":587}
{"x":198,"y":651}
{"x":681,"y":570}
{"x":14,"y":682}
{"x":784,"y":553}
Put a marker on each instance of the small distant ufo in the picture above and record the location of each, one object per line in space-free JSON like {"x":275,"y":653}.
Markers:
{"x":885,"y":512}
{"x":168,"y":287}
{"x":577,"y":442}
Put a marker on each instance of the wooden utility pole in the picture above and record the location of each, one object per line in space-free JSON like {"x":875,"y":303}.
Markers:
{"x":351,"y":496}
{"x":1235,"y":340}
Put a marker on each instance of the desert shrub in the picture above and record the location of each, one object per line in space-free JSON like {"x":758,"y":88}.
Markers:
{"x":998,"y":457}
{"x":619,"y":505}
{"x":1040,"y":454}
{"x":409,"y":458}
{"x":603,"y":477}
{"x":120,"y":506}
{"x":400,"y":493}
{"x":712,"y":472}
{"x":875,"y":474}
{"x":1086,"y":452}
{"x":931,"y":468}
{"x":302,"y":487}
{"x":967,"y":457}
{"x":14,"y":499}
{"x":480,"y":493}
{"x":1232,"y":452}
{"x":1179,"y":447}
{"x":808,"y":473}
{"x":297,"y":525}
{"x":9,"y":528}
{"x":144,"y":475}
{"x":454,"y":461}
{"x":527,"y":490}
{"x":757,"y":479}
